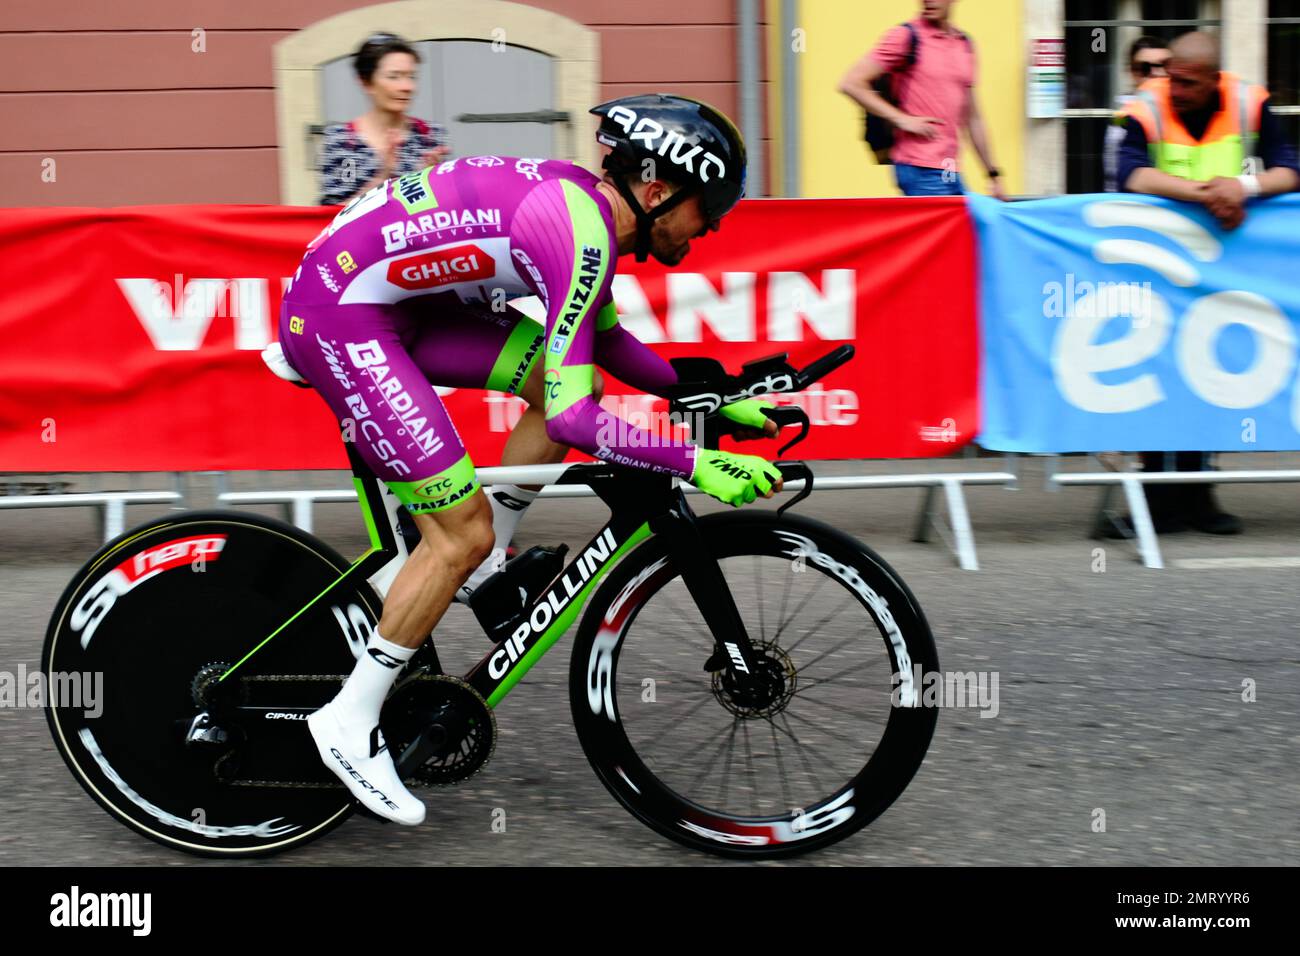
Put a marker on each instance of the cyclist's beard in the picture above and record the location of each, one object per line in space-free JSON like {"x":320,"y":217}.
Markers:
{"x":666,"y":248}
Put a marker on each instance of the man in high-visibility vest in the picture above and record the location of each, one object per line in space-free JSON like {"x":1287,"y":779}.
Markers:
{"x":1201,"y":135}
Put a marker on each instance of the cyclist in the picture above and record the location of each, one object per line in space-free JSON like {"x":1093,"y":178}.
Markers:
{"x":405,"y":289}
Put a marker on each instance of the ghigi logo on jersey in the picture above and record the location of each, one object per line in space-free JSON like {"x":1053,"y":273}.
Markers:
{"x":398,"y":235}
{"x":463,"y":263}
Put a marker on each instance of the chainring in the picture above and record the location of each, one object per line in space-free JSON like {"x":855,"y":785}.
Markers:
{"x":458,"y":715}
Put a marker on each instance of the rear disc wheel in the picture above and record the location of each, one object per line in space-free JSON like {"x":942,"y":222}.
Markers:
{"x":152,"y":620}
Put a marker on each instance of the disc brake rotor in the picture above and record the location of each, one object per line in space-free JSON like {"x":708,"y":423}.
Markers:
{"x":766,"y":692}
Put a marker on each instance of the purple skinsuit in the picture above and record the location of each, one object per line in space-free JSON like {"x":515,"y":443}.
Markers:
{"x":406,"y":288}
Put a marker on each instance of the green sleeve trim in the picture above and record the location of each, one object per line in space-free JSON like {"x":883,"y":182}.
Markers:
{"x":442,"y":491}
{"x":590,"y":266}
{"x":566,"y":386}
{"x":607,"y":318}
{"x":517,"y":358}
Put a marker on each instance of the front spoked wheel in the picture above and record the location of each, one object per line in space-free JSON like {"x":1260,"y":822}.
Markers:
{"x":827,"y":742}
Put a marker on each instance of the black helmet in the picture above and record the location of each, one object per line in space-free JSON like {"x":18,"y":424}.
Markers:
{"x":690,"y":143}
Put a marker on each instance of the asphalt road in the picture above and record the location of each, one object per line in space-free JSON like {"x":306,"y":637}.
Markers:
{"x":1120,"y":690}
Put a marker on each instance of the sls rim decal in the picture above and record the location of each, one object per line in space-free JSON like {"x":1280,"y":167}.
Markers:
{"x":267,"y":828}
{"x":800,"y":825}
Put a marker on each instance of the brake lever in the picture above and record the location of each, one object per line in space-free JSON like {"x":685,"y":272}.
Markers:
{"x":793,"y":471}
{"x":790,"y":415}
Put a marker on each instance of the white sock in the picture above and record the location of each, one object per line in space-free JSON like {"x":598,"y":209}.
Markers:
{"x":364,"y":691}
{"x":509,"y":502}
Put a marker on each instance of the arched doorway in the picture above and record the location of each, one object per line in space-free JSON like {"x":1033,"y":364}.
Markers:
{"x":503,"y":76}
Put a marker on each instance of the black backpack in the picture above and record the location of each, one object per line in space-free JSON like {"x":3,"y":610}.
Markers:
{"x":879,"y":132}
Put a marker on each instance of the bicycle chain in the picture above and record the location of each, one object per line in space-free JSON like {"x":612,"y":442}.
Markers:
{"x":299,"y":677}
{"x":413,"y":783}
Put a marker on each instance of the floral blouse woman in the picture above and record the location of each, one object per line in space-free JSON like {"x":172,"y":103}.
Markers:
{"x":383,"y":142}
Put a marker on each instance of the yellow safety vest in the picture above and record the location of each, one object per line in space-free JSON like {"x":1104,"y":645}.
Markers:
{"x":1228,"y":139}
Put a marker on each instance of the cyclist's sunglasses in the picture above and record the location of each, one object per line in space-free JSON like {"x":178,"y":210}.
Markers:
{"x":715,"y":205}
{"x":1146,"y":67}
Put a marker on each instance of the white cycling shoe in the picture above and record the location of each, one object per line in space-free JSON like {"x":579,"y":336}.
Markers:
{"x":363,"y":763}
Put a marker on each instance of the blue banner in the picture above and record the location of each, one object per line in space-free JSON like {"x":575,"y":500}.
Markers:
{"x":1119,"y":322}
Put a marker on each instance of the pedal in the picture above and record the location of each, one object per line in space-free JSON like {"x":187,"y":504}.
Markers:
{"x":500,"y":601}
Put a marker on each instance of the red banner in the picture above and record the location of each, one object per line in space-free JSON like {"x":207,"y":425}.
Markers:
{"x":132,"y":335}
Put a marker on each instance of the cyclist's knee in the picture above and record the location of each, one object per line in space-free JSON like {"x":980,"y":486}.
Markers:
{"x":461,"y":536}
{"x":479,"y":537}
{"x":597,"y":385}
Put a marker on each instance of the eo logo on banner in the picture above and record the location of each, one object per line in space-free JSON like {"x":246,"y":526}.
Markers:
{"x":1137,"y":323}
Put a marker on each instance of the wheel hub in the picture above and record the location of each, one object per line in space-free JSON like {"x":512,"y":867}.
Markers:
{"x":764,"y":693}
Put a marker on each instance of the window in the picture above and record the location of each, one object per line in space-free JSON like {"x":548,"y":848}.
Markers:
{"x":1284,"y":64}
{"x":1098,"y":34}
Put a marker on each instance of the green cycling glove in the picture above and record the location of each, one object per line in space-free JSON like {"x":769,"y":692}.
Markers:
{"x":748,"y":412}
{"x":733,"y":479}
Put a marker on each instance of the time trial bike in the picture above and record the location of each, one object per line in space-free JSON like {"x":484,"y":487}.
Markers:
{"x":742,"y":682}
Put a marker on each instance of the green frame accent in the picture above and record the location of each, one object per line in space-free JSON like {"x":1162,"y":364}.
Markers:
{"x":564,"y":619}
{"x":376,"y":546}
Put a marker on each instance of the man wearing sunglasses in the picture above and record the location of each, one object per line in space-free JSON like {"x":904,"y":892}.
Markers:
{"x":1146,"y":58}
{"x":407,"y":289}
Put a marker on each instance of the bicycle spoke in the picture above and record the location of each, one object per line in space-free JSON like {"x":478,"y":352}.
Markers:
{"x":677,"y":615}
{"x":801,"y":748}
{"x":705,"y":772}
{"x":676,"y":725}
{"x":822,"y":623}
{"x":812,"y":723}
{"x":726,"y":767}
{"x":780,"y":767}
{"x":838,"y":674}
{"x":821,"y":580}
{"x":825,"y":654}
{"x":785,"y":595}
{"x":762,"y":630}
{"x":749,"y":753}
{"x":810,"y":748}
{"x":855,"y":713}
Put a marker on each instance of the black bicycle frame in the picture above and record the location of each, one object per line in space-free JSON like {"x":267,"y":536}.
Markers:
{"x":641,"y":504}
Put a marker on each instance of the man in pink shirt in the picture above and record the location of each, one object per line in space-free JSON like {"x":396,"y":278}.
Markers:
{"x":936,"y":99}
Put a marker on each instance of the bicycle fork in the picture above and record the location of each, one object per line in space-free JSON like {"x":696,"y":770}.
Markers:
{"x":708,"y":587}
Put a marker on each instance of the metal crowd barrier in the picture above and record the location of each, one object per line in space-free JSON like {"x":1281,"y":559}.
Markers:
{"x":956,"y":532}
{"x":111,"y":504}
{"x":959,"y":536}
{"x":1131,"y":482}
